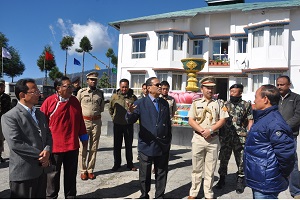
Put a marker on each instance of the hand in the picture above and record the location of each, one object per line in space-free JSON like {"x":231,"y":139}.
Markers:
{"x":131,"y":107}
{"x":84,"y":143}
{"x":44,"y":158}
{"x":206,"y":133}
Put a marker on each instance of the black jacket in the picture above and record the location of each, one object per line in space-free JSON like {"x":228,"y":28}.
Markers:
{"x":289,"y":108}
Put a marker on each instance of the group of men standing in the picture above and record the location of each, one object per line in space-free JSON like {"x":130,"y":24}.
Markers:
{"x":67,"y":128}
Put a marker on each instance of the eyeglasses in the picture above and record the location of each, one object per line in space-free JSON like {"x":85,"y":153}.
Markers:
{"x":157,"y":84}
{"x":37,"y":92}
{"x":67,"y":86}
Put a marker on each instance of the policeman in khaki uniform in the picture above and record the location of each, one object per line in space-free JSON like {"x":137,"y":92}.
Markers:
{"x":92,"y":103}
{"x":206,"y":117}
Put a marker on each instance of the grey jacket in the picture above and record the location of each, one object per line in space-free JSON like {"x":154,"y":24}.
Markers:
{"x":289,"y":108}
{"x":26,"y":140}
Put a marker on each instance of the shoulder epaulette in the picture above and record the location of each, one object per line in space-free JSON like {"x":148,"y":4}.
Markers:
{"x":197,"y":99}
{"x":82,"y":90}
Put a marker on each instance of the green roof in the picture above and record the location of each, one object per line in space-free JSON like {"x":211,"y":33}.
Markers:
{"x":212,"y":9}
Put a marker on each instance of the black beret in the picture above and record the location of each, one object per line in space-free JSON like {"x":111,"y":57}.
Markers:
{"x":237,"y":86}
{"x":76,"y":78}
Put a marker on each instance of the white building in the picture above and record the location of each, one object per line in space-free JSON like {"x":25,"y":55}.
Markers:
{"x":260,"y":41}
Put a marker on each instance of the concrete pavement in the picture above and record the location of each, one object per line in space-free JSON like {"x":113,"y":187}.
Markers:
{"x":125,"y":184}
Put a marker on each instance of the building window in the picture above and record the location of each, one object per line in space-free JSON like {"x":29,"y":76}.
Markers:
{"x":163,"y":41}
{"x":162,"y":76}
{"x":178,"y":41}
{"x":176,"y":81}
{"x":273,"y":78}
{"x":258,"y":38}
{"x":276,"y":36}
{"x":139,"y":47}
{"x":137,"y":81}
{"x":220,"y":50}
{"x":197,"y":48}
{"x":243,"y":81}
{"x":257,"y":81}
{"x":242,"y":45}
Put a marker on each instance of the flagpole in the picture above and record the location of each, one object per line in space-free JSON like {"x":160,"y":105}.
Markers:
{"x":2,"y":67}
{"x":45,"y":68}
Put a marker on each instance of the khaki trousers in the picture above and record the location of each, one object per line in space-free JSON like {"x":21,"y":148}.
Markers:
{"x":204,"y":160}
{"x":87,"y":162}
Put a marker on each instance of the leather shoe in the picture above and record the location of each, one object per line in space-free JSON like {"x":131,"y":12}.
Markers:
{"x":91,"y":176}
{"x":191,"y":197}
{"x":115,"y":168}
{"x":132,"y":168}
{"x":84,"y":176}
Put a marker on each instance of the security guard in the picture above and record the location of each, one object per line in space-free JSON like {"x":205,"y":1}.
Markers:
{"x":5,"y":104}
{"x":206,"y":117}
{"x":92,"y":103}
{"x":76,"y":85}
{"x":234,"y":134}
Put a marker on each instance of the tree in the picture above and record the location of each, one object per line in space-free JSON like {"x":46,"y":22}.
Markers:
{"x":65,"y":45}
{"x":55,"y":73}
{"x":85,"y":46}
{"x":46,"y":65}
{"x":112,"y":59}
{"x":13,"y":67}
{"x":103,"y":82}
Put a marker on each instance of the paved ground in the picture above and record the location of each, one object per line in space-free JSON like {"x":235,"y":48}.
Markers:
{"x":124,"y":184}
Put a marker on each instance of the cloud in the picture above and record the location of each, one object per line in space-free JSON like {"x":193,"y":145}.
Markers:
{"x":96,"y":33}
{"x":52,"y":31}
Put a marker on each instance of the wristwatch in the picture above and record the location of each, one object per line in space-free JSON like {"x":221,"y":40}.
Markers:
{"x":211,"y":131}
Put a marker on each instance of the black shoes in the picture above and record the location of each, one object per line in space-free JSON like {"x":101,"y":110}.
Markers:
{"x":240,"y":187}
{"x":115,"y":168}
{"x":1,"y":159}
{"x":221,"y":182}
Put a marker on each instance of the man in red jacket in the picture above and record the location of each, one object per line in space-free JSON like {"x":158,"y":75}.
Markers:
{"x":66,"y":123}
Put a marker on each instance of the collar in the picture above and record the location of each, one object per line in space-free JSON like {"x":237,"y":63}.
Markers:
{"x":287,"y":94}
{"x":258,"y":114}
{"x":28,"y":109}
{"x":62,"y":99}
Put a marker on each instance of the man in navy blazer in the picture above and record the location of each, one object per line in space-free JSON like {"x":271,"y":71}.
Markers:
{"x":154,"y":137}
{"x":29,"y":139}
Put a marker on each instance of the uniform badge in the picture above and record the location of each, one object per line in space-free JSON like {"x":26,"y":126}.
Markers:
{"x":224,"y":109}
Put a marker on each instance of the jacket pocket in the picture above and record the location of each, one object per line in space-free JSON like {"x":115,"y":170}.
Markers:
{"x":255,"y":169}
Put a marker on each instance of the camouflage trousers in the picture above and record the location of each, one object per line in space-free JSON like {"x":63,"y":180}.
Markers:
{"x":231,"y":143}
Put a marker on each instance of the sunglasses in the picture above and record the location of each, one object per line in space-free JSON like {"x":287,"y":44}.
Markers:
{"x":157,"y":84}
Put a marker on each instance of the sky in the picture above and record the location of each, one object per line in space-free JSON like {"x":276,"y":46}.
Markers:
{"x":31,"y":25}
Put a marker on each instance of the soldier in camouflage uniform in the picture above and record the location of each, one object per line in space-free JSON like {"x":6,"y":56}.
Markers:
{"x":233,"y":135}
{"x":5,"y":104}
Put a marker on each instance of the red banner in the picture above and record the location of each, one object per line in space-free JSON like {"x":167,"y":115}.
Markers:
{"x":48,"y":56}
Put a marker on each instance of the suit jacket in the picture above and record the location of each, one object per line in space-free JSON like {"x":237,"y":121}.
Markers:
{"x":26,"y":140}
{"x":155,"y":127}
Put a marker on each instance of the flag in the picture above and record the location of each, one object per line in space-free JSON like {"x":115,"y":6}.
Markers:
{"x":97,"y":67}
{"x":48,"y":56}
{"x":76,"y":62}
{"x":5,"y":53}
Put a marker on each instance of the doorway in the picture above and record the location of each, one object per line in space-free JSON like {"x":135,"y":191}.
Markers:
{"x":222,"y":88}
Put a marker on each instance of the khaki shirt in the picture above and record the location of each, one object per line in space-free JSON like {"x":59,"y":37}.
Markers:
{"x":172,"y":105}
{"x":92,"y":101}
{"x":207,"y":113}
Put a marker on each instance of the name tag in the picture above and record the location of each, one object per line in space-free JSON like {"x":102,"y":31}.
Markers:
{"x":200,"y":107}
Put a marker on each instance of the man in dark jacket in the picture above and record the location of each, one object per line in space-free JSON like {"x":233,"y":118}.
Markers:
{"x":289,"y":108}
{"x":5,"y":105}
{"x":154,"y":137}
{"x":117,"y":109}
{"x":269,"y":150}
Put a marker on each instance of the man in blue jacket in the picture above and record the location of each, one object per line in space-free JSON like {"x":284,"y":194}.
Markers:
{"x":289,"y":108}
{"x":269,"y":150}
{"x":154,"y":137}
